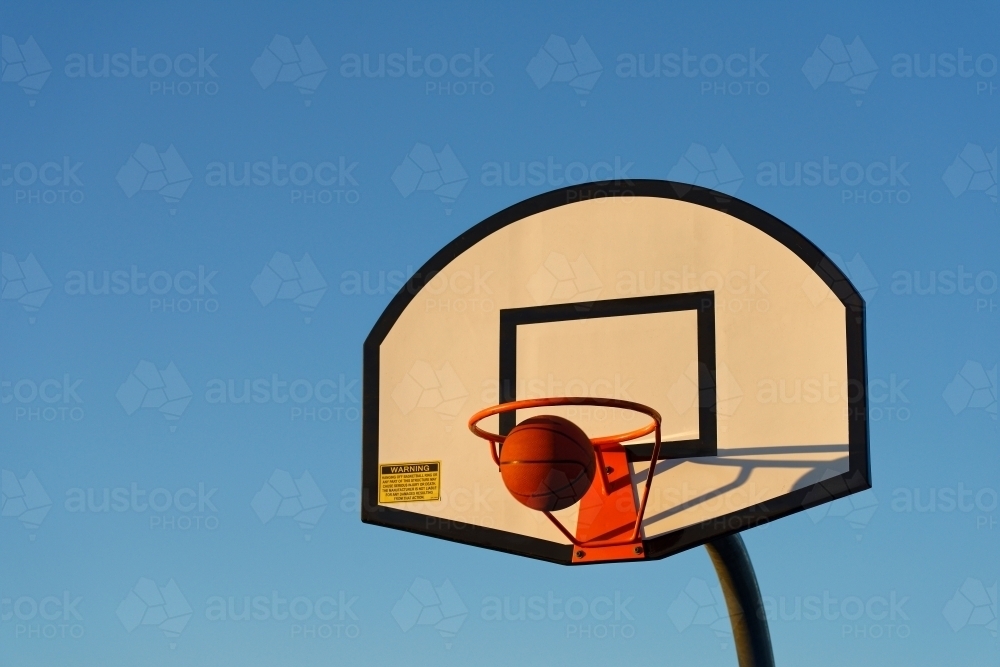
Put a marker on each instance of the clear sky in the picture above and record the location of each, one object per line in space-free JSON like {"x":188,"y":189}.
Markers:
{"x":137,"y":166}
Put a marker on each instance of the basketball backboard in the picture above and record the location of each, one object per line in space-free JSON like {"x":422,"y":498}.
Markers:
{"x":741,"y":333}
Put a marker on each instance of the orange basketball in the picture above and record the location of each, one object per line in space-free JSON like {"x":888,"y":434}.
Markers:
{"x":547,"y":463}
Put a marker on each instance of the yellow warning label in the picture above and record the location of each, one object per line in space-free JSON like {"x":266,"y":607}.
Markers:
{"x":409,"y":482}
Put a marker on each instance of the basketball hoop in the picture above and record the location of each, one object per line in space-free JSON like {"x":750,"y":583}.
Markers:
{"x":552,"y":324}
{"x":609,"y":524}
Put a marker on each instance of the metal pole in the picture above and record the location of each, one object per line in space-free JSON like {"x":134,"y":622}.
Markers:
{"x":746,"y":609}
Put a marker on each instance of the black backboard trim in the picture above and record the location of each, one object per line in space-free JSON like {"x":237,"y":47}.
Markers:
{"x":703,"y":303}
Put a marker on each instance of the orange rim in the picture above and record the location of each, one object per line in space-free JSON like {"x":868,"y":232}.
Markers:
{"x":569,"y":400}
{"x":654,"y":427}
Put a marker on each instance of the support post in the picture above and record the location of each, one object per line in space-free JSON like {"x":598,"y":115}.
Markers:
{"x":746,"y":608}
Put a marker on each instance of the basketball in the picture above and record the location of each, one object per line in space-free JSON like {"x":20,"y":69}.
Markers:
{"x":547,"y":463}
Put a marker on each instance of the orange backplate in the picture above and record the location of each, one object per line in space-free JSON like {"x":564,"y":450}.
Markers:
{"x":608,"y":511}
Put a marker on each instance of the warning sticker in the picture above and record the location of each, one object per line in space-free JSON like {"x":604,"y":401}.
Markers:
{"x":409,"y":482}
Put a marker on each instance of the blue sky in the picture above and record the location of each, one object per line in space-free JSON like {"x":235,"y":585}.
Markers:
{"x":917,"y":204}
